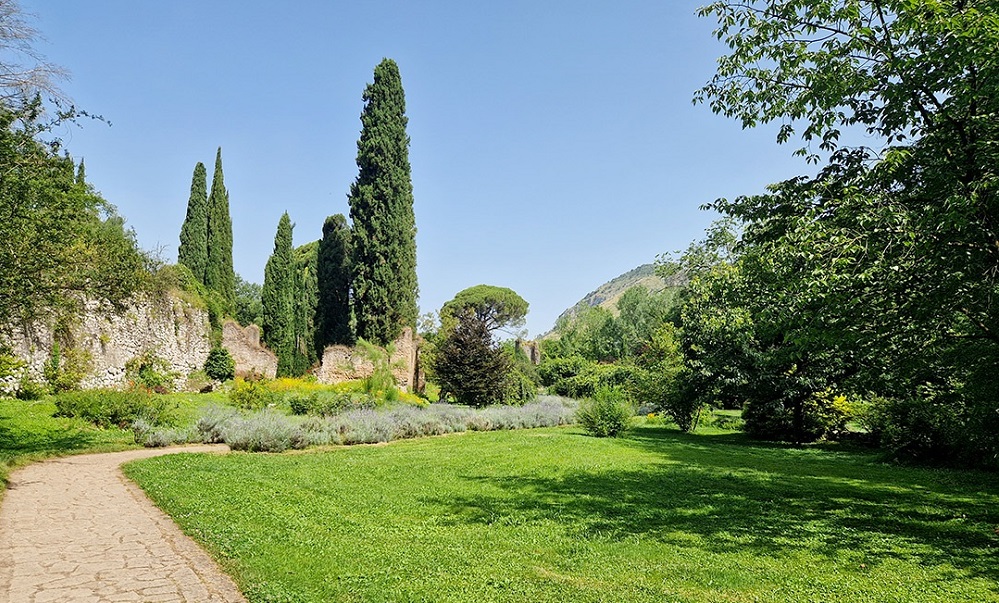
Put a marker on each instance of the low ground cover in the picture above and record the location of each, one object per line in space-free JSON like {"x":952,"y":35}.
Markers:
{"x":554,"y":515}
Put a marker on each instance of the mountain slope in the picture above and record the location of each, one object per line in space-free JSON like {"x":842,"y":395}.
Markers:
{"x":606,"y":295}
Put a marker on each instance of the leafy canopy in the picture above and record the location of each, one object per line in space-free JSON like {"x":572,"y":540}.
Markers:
{"x":495,"y":307}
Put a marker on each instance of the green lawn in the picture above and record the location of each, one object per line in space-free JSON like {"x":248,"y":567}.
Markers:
{"x":29,"y":432}
{"x":553,"y":515}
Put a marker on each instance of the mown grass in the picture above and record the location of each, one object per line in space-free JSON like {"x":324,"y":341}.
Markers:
{"x":553,"y":515}
{"x":29,"y":432}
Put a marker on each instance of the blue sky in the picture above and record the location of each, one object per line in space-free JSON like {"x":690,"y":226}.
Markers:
{"x":554,"y":144}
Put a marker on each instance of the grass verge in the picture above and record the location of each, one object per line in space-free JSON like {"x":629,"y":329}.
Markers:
{"x":553,"y":515}
{"x":29,"y":432}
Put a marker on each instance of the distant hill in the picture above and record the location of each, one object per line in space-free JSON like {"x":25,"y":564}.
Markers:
{"x":606,"y":295}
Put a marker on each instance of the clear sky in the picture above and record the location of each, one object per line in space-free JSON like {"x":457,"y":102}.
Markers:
{"x":554,"y":143}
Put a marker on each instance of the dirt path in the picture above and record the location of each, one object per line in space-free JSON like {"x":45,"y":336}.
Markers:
{"x":74,"y":530}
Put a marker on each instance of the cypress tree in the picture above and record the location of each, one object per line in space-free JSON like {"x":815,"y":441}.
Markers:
{"x":219,"y":274}
{"x":383,"y":242}
{"x":81,"y":174}
{"x":306,"y":300}
{"x":333,"y":272}
{"x":278,"y":298}
{"x":193,"y":249}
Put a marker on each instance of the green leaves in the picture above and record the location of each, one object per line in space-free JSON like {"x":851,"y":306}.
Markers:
{"x":278,"y":298}
{"x":496,"y":307}
{"x":383,"y":244}
{"x":193,"y":249}
{"x":219,"y":274}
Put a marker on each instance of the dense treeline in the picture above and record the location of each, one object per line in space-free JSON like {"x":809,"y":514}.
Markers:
{"x":867,"y":291}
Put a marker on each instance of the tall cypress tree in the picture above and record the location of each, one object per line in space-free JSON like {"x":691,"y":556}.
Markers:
{"x":81,"y":174}
{"x":219,"y":274}
{"x":193,"y":250}
{"x":333,"y":272}
{"x":383,"y":242}
{"x":278,"y":298}
{"x":306,"y":299}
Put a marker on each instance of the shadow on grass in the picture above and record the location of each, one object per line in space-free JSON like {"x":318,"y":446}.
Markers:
{"x":21,"y":442}
{"x":724,"y":493}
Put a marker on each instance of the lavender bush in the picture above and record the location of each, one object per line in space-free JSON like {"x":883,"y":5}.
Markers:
{"x":271,"y":431}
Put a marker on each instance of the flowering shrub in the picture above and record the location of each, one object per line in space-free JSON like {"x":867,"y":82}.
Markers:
{"x":270,"y":430}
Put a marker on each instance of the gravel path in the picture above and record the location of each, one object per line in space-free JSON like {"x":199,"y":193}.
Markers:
{"x":74,"y":530}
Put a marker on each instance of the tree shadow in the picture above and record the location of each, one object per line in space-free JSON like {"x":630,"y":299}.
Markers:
{"x":732,"y":494}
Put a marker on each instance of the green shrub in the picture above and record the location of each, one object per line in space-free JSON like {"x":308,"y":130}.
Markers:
{"x":329,"y":403}
{"x":251,"y":394}
{"x":607,"y":414}
{"x":28,"y":389}
{"x":591,"y":377}
{"x":821,"y":415}
{"x":66,"y":368}
{"x":111,"y":408}
{"x":151,"y":372}
{"x":219,"y":365}
{"x":553,"y":370}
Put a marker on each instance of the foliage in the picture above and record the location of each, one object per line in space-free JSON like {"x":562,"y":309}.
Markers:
{"x":251,"y":394}
{"x":496,"y":307}
{"x":776,"y":523}
{"x":381,"y":382}
{"x":61,"y":241}
{"x":306,"y":305}
{"x":265,"y":431}
{"x":469,"y":366}
{"x":383,"y":240}
{"x":878,"y":274}
{"x":333,"y":321}
{"x":219,"y":274}
{"x":329,"y":403}
{"x":662,"y":380}
{"x":597,"y":334}
{"x":150,"y":372}
{"x":193,"y":249}
{"x":219,"y":365}
{"x":111,"y":408}
{"x":178,"y":279}
{"x":66,"y":367}
{"x":522,"y":380}
{"x":249,"y":308}
{"x":591,"y":333}
{"x":607,"y":414}
{"x":577,"y":377}
{"x":278,"y":298}
{"x":719,"y":247}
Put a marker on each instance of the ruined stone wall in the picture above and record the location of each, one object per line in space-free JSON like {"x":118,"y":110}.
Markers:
{"x":250,"y":357}
{"x":341,"y":363}
{"x":171,"y":328}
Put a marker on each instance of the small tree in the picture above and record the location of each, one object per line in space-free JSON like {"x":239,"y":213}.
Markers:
{"x":469,"y":365}
{"x":219,"y":365}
